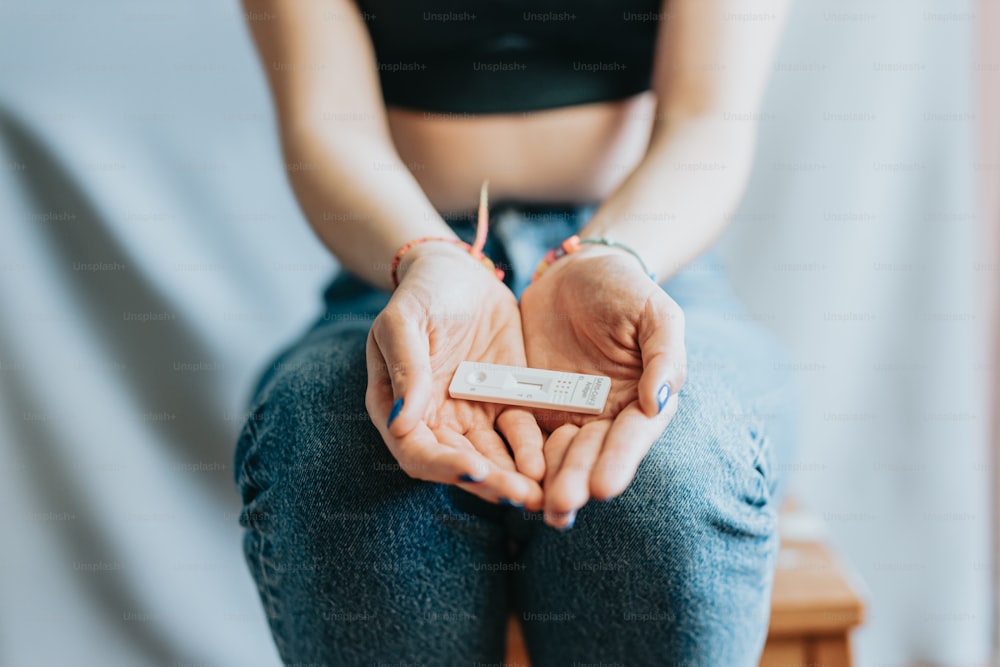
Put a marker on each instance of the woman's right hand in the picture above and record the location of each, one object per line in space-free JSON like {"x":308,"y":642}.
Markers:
{"x":447,"y":309}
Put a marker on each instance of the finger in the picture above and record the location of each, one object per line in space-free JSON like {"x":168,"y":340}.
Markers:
{"x":495,"y":484}
{"x":664,"y":358}
{"x":452,"y":438}
{"x":555,"y":448}
{"x":627,"y":443}
{"x":378,"y":395}
{"x":422,"y":456}
{"x":405,"y":352}
{"x":508,"y":488}
{"x":525,"y":438}
{"x":488,"y":443}
{"x":570,"y":487}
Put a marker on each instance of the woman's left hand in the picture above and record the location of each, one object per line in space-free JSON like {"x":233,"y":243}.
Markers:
{"x":595,"y":311}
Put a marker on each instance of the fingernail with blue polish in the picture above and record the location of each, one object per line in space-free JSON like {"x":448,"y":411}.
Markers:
{"x":510,"y":503}
{"x":662,"y":396}
{"x":570,"y":520}
{"x":466,"y":477}
{"x":397,"y":407}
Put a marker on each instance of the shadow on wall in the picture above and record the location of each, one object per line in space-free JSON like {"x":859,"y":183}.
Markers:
{"x":105,"y":298}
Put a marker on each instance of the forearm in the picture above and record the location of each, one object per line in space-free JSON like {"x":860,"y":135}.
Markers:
{"x":354,"y":190}
{"x":360,"y":199}
{"x":680,"y":198}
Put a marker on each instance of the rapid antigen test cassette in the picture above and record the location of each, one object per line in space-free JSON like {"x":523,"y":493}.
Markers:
{"x":530,"y":387}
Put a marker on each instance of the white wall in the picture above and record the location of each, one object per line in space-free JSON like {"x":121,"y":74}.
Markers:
{"x":856,"y":241}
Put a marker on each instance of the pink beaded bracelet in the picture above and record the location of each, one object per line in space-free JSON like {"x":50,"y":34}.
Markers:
{"x":474,"y":249}
{"x":575,"y":244}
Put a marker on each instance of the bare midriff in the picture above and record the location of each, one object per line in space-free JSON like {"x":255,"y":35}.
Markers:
{"x":576,"y":154}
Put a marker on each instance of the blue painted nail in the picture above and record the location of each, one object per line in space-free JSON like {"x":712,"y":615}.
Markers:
{"x":466,"y":477}
{"x":570,"y":520}
{"x":662,"y":396}
{"x":397,"y":407}
{"x":510,"y":503}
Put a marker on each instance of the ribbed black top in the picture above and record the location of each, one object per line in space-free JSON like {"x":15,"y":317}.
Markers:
{"x":505,"y":56}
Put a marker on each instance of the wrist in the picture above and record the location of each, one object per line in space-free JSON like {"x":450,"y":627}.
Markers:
{"x":582,"y":248}
{"x":430,"y":248}
{"x":472,"y":251}
{"x":597,"y":250}
{"x":444,"y":258}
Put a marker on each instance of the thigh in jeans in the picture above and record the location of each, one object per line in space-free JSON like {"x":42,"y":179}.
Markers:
{"x":357,"y":563}
{"x":678,"y":569}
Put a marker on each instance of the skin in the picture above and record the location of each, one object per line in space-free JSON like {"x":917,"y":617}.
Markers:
{"x":435,"y":437}
{"x":668,"y":167}
{"x":610,"y":319}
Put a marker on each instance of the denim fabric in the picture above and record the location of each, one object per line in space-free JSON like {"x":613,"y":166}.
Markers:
{"x":358,"y":564}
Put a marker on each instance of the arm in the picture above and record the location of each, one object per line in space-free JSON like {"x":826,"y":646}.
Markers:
{"x":606,"y":314}
{"x":712,"y":64}
{"x":364,"y":204}
{"x":354,"y":189}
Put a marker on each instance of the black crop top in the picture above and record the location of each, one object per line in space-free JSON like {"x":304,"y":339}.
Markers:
{"x":506,"y":56}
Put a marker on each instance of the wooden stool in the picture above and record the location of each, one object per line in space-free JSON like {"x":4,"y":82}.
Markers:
{"x":815,"y":603}
{"x":816,"y":600}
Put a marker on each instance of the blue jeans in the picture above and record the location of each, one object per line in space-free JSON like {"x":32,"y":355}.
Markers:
{"x":358,"y":564}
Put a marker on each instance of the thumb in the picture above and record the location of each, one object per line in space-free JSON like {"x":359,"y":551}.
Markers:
{"x":400,"y":364}
{"x":664,"y":357}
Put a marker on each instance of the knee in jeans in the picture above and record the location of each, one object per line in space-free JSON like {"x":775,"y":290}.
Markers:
{"x":311,"y":465}
{"x":305,"y":421}
{"x":708,"y":472}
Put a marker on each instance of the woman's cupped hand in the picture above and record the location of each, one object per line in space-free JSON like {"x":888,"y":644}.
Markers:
{"x":448,"y":309}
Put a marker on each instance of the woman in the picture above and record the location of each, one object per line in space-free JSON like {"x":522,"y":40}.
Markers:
{"x":389,"y":523}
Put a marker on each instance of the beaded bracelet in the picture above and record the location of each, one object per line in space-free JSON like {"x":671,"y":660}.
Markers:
{"x":575,"y":244}
{"x":474,"y":249}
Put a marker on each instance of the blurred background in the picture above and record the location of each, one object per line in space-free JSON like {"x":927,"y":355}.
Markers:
{"x":152,"y":258}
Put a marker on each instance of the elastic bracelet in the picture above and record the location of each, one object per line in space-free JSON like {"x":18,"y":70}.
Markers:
{"x":483,"y":259}
{"x":475,"y":249}
{"x":575,"y":244}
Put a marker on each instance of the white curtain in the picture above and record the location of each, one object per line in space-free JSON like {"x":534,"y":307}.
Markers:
{"x":857,"y":242}
{"x":152,"y":258}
